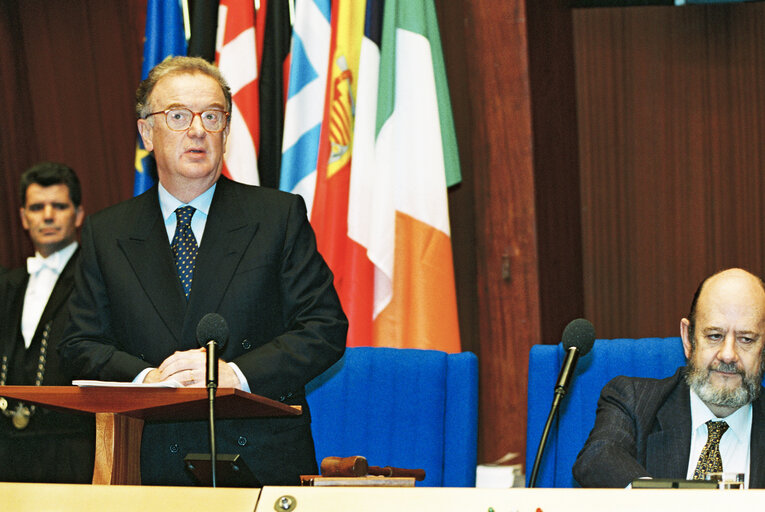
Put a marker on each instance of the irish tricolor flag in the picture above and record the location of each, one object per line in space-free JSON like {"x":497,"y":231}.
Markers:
{"x":404,"y":158}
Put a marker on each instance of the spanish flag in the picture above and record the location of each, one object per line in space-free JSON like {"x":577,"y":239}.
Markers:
{"x":353,"y":271}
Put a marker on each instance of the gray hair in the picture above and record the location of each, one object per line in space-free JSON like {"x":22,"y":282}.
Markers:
{"x":177,"y":66}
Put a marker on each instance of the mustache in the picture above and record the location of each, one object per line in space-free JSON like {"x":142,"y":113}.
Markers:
{"x":728,"y":368}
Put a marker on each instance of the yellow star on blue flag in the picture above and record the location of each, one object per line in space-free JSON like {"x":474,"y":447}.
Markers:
{"x":164,"y":36}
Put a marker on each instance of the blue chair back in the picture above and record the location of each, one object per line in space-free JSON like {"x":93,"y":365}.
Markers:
{"x":645,"y":357}
{"x":404,"y":408}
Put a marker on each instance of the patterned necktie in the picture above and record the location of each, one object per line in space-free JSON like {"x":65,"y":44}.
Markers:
{"x":184,"y":247}
{"x":710,"y":460}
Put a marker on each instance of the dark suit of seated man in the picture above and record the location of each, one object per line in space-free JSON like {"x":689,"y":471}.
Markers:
{"x":198,"y":243}
{"x":671,"y":428}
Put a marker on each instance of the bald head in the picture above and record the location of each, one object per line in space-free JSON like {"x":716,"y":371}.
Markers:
{"x":723,"y":339}
{"x":731,"y":286}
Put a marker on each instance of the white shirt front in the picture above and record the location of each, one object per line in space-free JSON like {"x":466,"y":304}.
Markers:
{"x":43,"y":274}
{"x":734,"y":444}
{"x":168,"y":203}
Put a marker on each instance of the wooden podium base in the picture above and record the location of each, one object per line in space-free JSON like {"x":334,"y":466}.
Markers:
{"x":117,"y":460}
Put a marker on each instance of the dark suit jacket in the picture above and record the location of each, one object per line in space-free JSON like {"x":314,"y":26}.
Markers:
{"x":258,"y":268}
{"x":55,"y":447}
{"x":643,"y":428}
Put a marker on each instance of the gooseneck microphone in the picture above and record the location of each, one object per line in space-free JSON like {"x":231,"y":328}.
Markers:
{"x":578,"y":339}
{"x":212,"y":334}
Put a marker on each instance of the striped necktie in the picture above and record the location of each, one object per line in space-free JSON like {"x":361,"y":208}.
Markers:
{"x":184,"y":247}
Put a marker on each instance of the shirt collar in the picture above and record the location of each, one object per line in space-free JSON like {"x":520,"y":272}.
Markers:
{"x":169,"y":203}
{"x":738,"y":422}
{"x":55,"y":262}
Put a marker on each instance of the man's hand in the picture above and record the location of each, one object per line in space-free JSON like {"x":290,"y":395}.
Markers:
{"x":189,"y":368}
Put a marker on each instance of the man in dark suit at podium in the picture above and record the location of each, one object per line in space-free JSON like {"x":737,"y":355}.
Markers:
{"x":709,"y":416}
{"x":36,"y":444}
{"x":198,"y":243}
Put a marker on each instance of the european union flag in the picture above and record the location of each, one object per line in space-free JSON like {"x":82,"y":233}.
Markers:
{"x":164,"y":36}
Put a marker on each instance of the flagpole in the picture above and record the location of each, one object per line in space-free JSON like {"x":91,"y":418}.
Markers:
{"x":186,"y":20}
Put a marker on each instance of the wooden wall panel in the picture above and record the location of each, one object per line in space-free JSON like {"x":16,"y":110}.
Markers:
{"x":486,"y":57}
{"x":671,"y":103}
{"x":510,"y":67}
{"x":556,"y":166}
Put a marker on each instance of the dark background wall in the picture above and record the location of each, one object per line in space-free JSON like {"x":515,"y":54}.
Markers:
{"x":611,"y":158}
{"x":68,"y":74}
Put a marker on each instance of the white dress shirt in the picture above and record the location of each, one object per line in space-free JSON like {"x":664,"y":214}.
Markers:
{"x":168,"y":204}
{"x":43,"y":274}
{"x":734,"y":444}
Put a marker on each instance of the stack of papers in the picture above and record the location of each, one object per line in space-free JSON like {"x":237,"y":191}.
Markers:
{"x":114,"y":384}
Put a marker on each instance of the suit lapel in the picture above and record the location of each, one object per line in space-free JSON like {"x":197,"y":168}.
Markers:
{"x":17,"y":285}
{"x":148,"y":251}
{"x":670,"y":446}
{"x":757,"y":445}
{"x":227,"y":235}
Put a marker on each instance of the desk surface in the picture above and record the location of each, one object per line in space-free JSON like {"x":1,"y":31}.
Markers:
{"x":90,"y":498}
{"x":507,"y":500}
{"x":19,"y":497}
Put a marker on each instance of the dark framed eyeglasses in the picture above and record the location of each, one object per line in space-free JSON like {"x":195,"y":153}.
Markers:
{"x":179,"y":119}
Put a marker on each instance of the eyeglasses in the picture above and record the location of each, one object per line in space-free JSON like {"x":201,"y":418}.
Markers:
{"x":180,"y":119}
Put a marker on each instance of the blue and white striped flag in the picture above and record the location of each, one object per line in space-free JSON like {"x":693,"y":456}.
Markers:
{"x":305,"y":97}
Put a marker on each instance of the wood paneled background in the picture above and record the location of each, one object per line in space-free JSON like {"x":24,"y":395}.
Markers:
{"x":611,"y":157}
{"x":671,"y":129}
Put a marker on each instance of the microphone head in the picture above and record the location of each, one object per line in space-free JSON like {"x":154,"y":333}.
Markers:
{"x":579,"y":333}
{"x":212,"y":327}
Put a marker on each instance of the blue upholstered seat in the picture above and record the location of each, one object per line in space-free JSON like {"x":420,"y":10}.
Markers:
{"x":645,"y":357}
{"x":405,"y":408}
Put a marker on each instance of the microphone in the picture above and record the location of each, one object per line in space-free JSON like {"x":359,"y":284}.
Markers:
{"x":578,"y":339}
{"x":212,"y":333}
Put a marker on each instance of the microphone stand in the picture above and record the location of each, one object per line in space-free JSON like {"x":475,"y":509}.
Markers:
{"x":212,"y":386}
{"x":560,"y":390}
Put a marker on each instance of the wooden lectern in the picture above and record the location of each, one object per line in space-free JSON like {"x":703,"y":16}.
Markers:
{"x":121,"y":412}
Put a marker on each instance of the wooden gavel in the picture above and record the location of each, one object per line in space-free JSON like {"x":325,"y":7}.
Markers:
{"x":357,"y":466}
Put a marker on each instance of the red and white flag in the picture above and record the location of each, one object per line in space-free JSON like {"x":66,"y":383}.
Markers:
{"x":237,"y":54}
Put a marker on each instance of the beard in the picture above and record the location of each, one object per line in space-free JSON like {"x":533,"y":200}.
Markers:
{"x":747,"y":391}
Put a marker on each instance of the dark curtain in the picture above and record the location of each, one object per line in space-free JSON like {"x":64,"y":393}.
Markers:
{"x":68,"y":74}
